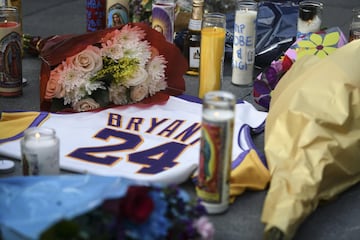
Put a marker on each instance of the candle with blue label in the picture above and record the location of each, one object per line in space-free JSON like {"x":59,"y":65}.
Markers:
{"x":244,"y":43}
{"x":95,"y":15}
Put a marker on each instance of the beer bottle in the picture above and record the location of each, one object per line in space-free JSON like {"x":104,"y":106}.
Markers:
{"x":192,"y":38}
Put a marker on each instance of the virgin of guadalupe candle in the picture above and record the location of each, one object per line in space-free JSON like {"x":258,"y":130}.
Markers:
{"x":244,"y":43}
{"x":216,"y":150}
{"x":10,"y":53}
{"x":40,"y":152}
{"x":117,"y":12}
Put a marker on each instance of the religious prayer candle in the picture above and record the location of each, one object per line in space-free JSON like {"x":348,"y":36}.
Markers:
{"x":216,"y":151}
{"x":212,"y":45}
{"x":10,"y":56}
{"x":95,"y":15}
{"x":310,"y":15}
{"x":117,"y":12}
{"x":244,"y":43}
{"x":355,"y":25}
{"x":40,"y":152}
{"x":163,"y":18}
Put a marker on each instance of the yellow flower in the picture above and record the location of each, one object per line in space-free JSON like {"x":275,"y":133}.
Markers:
{"x":318,"y":45}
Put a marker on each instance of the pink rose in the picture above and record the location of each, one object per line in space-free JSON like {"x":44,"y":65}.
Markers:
{"x":54,"y":87}
{"x":139,"y":92}
{"x":89,"y":60}
{"x":138,"y":77}
{"x":86,"y":104}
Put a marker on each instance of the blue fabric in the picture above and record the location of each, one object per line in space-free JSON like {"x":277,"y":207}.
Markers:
{"x":31,"y":204}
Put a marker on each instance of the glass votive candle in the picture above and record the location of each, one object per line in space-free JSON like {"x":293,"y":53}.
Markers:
{"x":40,"y":152}
{"x":310,"y":16}
{"x":218,"y":118}
{"x":355,"y":25}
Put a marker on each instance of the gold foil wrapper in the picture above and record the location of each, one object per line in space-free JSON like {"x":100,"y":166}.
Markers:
{"x":312,"y":137}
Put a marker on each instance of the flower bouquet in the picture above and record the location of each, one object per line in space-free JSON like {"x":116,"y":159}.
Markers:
{"x":115,"y":66}
{"x":83,"y":206}
{"x":145,"y":212}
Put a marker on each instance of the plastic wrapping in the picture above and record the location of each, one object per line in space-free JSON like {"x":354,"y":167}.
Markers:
{"x":312,"y":149}
{"x":29,"y":205}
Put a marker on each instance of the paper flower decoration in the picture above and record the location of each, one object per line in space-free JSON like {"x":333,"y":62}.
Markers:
{"x":115,"y":66}
{"x":320,"y":44}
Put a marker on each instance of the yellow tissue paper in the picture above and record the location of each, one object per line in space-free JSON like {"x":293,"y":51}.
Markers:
{"x":312,"y":138}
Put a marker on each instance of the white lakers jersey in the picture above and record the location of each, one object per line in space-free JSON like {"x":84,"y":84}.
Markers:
{"x":154,"y":143}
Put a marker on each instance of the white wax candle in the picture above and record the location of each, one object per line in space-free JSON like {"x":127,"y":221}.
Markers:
{"x":312,"y":25}
{"x":40,"y":152}
{"x":244,"y":47}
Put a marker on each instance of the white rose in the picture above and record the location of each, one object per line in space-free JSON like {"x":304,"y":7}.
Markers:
{"x":117,"y":94}
{"x":86,"y":104}
{"x":139,"y":92}
{"x":138,"y":78}
{"x":89,"y":60}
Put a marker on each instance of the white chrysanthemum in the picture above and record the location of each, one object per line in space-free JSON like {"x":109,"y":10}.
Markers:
{"x":117,"y":94}
{"x":155,"y":85}
{"x":156,"y":67}
{"x":156,"y":70}
{"x":114,"y":51}
{"x":129,"y":34}
{"x":138,"y":50}
{"x":76,"y":85}
{"x":89,"y":86}
{"x":71,"y":78}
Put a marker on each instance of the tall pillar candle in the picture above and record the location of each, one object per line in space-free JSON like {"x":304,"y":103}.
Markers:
{"x":216,"y":150}
{"x":95,"y":15}
{"x":10,"y":53}
{"x":212,"y":45}
{"x":40,"y":152}
{"x":163,"y":18}
{"x":244,"y":43}
{"x":117,"y":12}
{"x":354,"y":30}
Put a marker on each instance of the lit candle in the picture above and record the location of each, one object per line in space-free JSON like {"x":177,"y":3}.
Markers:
{"x":244,"y":43}
{"x":40,"y":152}
{"x":309,"y":19}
